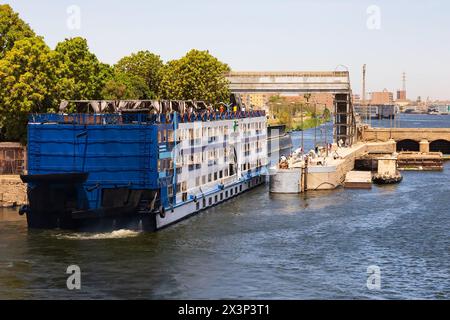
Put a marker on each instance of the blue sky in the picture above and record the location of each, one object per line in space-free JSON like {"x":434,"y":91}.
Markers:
{"x":414,"y":36}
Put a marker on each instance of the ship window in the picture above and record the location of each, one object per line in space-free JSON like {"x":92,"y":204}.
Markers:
{"x":210,"y":201}
{"x":197,"y":206}
{"x":235,"y":190}
{"x":240,"y":188}
{"x":215,"y":198}
{"x":170,"y":135}
{"x":204,"y":202}
{"x":231,"y":192}
{"x":164,"y":164}
{"x":221,"y":196}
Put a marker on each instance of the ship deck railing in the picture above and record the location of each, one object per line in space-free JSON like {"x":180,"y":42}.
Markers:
{"x":138,"y":118}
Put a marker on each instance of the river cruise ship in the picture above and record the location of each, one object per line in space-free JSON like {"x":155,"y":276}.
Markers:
{"x":139,"y":164}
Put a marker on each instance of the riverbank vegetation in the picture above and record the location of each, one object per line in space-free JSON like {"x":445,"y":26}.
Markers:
{"x":297,"y":115}
{"x":34,"y":78}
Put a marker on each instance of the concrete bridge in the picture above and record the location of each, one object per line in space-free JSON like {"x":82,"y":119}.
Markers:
{"x":299,"y":82}
{"x":412,"y":139}
{"x":289,"y":82}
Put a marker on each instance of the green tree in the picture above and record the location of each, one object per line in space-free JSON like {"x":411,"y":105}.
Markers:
{"x":123,"y":86}
{"x":144,"y":65}
{"x":196,"y":76}
{"x":12,"y":29}
{"x":27,"y":84}
{"x":81,"y":75}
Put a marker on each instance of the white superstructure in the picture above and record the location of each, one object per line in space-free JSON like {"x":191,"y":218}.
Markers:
{"x":215,"y":161}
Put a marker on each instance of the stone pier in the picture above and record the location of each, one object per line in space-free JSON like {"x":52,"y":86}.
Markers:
{"x":13,"y":192}
{"x":424,"y":146}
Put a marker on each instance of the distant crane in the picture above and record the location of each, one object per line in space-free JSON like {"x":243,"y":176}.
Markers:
{"x":364,"y":93}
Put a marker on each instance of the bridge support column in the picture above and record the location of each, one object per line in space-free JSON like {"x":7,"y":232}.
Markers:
{"x":424,"y":146}
{"x":392,"y":145}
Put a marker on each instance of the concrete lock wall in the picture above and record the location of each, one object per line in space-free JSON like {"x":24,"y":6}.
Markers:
{"x":286,"y":181}
{"x":330,"y":177}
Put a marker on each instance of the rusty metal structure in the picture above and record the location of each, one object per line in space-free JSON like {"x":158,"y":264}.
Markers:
{"x":12,"y":158}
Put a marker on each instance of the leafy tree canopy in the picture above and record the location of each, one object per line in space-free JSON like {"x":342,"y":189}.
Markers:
{"x":12,"y":29}
{"x":144,"y":65}
{"x":27,"y":84}
{"x":81,"y":75}
{"x":124,"y":86}
{"x":196,"y":76}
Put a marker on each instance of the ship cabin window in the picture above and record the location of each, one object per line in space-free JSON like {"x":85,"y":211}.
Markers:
{"x":170,"y":194}
{"x":210,"y":201}
{"x":240,"y":188}
{"x":197,"y":206}
{"x":231,"y":171}
{"x":204,"y":202}
{"x":226,"y":194}
{"x":221,"y":196}
{"x":235,"y":190}
{"x":162,"y":136}
{"x":170,"y":136}
{"x":164,"y":165}
{"x":231,"y":192}
{"x":215,"y":198}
